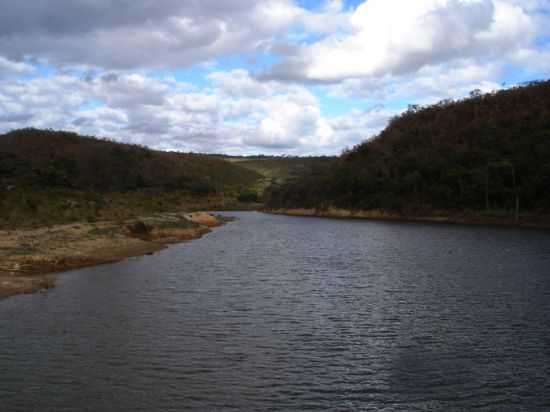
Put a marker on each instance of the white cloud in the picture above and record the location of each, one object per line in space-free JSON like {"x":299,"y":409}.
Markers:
{"x":532,"y":60}
{"x":291,"y":121}
{"x":330,"y":18}
{"x":10,"y":68}
{"x":358,"y":125}
{"x":239,"y":83}
{"x":396,"y":37}
{"x":428,"y":85}
{"x":238,"y":114}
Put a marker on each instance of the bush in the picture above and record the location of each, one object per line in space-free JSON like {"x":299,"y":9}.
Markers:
{"x":248,"y":197}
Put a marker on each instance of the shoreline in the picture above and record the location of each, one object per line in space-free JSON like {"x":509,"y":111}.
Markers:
{"x":30,"y":259}
{"x":381,"y":215}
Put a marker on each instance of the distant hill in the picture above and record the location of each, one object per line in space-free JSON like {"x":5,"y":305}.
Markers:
{"x":45,"y":158}
{"x":489,"y":152}
{"x":276,"y":170}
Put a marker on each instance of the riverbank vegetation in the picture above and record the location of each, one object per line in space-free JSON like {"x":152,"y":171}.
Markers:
{"x":488,"y":154}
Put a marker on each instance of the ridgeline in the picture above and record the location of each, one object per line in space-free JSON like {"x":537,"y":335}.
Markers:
{"x":480,"y":159}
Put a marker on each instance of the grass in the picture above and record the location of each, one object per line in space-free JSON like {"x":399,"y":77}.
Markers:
{"x":30,"y":208}
{"x":23,"y":250}
{"x":102,"y":231}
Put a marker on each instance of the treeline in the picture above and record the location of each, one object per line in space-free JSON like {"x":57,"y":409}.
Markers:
{"x":55,"y":159}
{"x":486,"y":152}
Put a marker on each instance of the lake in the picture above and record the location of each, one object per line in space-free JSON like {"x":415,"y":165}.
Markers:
{"x":291,"y":314}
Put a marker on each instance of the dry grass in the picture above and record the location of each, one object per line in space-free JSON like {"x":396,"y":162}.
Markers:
{"x":32,"y":208}
{"x":27,"y":255}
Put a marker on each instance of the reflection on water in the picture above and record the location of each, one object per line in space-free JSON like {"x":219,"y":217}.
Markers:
{"x":281,"y":313}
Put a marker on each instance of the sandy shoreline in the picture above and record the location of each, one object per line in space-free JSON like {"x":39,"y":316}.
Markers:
{"x":29,"y":258}
{"x":466,"y":219}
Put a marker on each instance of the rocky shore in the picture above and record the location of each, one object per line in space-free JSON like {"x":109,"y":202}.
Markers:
{"x":29,"y":258}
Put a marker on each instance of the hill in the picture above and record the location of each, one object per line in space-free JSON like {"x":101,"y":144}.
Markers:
{"x":31,"y":157}
{"x":49,"y":177}
{"x":276,"y":170}
{"x":488,"y":153}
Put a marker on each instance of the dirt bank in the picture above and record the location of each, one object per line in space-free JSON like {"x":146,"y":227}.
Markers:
{"x":468,"y":218}
{"x":29,"y":257}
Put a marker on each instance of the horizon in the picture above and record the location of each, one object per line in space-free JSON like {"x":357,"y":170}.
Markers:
{"x":283,"y":77}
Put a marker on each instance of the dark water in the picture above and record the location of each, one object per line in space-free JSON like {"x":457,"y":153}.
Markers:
{"x":280,"y":313}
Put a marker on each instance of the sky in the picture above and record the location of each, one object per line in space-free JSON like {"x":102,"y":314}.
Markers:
{"x":294,"y":77}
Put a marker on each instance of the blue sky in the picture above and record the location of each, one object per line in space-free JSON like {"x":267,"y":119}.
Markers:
{"x":244,"y":77}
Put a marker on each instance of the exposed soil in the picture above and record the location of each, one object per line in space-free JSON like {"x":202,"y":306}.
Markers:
{"x":28,"y":258}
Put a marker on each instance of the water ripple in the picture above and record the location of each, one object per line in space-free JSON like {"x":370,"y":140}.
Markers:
{"x":277,"y":313}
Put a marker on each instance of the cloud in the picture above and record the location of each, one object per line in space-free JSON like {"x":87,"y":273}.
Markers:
{"x":329,"y":18}
{"x":397,"y":38}
{"x":533,"y":61}
{"x":91,"y":66}
{"x":239,"y":83}
{"x":238,"y":115}
{"x":141,"y":33}
{"x":10,"y":68}
{"x":291,"y":121}
{"x":428,"y":85}
{"x":357,"y":126}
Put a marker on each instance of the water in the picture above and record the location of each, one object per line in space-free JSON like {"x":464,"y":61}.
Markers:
{"x":292,"y":314}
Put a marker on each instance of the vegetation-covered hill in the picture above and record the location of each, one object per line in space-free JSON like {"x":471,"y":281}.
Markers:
{"x":50,"y":177}
{"x":487,"y":152}
{"x":31,"y":157}
{"x":276,"y":170}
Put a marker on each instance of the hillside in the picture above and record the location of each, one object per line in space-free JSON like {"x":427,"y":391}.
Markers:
{"x":49,"y":177}
{"x":276,"y":170}
{"x":487,"y":153}
{"x":44,"y":158}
